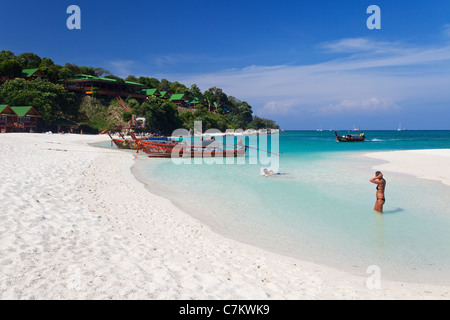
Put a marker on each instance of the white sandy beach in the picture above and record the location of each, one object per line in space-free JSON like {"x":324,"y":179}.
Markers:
{"x":75,"y":224}
{"x":425,"y":164}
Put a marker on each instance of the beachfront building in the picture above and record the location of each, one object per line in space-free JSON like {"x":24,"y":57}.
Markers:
{"x":63,"y":125}
{"x":27,"y":118}
{"x":178,"y":99}
{"x":8,"y":118}
{"x":92,"y":85}
{"x":18,"y":119}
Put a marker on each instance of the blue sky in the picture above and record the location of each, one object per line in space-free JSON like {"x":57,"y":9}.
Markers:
{"x":305,"y":64}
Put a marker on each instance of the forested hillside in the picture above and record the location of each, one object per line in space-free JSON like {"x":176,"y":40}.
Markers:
{"x":95,"y":113}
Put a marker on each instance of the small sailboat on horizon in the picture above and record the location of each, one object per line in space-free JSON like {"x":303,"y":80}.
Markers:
{"x":400,"y":127}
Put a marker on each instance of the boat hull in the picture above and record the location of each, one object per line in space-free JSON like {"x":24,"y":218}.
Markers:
{"x":181,"y":151}
{"x":350,"y":138}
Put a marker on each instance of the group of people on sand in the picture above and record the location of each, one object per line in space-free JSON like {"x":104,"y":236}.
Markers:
{"x":378,"y":180}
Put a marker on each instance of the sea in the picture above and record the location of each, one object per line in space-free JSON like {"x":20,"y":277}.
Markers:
{"x":319,"y":208}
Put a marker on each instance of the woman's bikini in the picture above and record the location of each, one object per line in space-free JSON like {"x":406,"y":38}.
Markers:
{"x":384,"y":184}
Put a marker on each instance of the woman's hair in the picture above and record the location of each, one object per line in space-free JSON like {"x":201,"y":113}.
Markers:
{"x":377,"y":173}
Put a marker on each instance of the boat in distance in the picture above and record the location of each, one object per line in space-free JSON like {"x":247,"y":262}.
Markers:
{"x":350,"y":138}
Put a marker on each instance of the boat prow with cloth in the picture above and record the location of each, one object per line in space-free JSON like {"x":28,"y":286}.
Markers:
{"x":123,"y":143}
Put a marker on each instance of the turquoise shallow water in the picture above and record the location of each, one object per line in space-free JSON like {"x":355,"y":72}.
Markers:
{"x":321,"y":208}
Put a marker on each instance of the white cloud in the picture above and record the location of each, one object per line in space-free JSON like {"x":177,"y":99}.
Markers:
{"x":122,"y":68}
{"x":368,"y":77}
{"x":277,"y":108}
{"x":369,"y":106}
{"x":356,"y":45}
{"x":398,"y":74}
{"x":162,"y":61}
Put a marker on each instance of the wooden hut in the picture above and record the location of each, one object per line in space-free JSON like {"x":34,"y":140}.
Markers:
{"x":178,"y":99}
{"x":192,"y":104}
{"x":8,"y":119}
{"x":164,"y":95}
{"x":151,"y":93}
{"x":27,"y":119}
{"x":104,"y":86}
{"x":63,"y":125}
{"x":31,"y":74}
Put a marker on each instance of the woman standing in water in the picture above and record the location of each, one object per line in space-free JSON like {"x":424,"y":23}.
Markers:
{"x":381,"y":185}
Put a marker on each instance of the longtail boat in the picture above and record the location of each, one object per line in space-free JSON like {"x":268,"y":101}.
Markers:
{"x":210,"y":148}
{"x":190,"y":151}
{"x":123,"y":143}
{"x":350,"y":138}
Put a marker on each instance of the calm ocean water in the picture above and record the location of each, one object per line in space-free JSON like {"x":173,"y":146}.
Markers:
{"x":321,"y":208}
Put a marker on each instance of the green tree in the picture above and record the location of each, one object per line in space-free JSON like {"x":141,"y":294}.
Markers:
{"x":194,"y":92}
{"x":10,"y":68}
{"x":29,"y":60}
{"x":176,"y":87}
{"x":262,"y":123}
{"x":87,"y":70}
{"x":127,"y":116}
{"x":52,"y":72}
{"x":65,"y":73}
{"x":46,"y":62}
{"x":164,"y":85}
{"x":73,"y":68}
{"x":131,"y":78}
{"x":150,"y":82}
{"x":187,"y":119}
{"x":245,"y":112}
{"x":220,"y":97}
{"x":210,"y":98}
{"x":100,"y":72}
{"x":6,"y":55}
{"x":50,"y":100}
{"x":161,"y":116}
{"x":134,"y":105}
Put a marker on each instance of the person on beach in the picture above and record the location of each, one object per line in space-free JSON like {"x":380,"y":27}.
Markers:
{"x":268,"y":173}
{"x":381,"y":185}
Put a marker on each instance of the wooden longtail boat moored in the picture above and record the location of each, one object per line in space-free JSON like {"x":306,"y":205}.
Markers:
{"x":202,"y":149}
{"x":123,"y":143}
{"x":350,"y":138}
{"x":188,"y":151}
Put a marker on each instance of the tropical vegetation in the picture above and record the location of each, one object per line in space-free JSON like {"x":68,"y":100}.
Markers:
{"x":95,"y":113}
